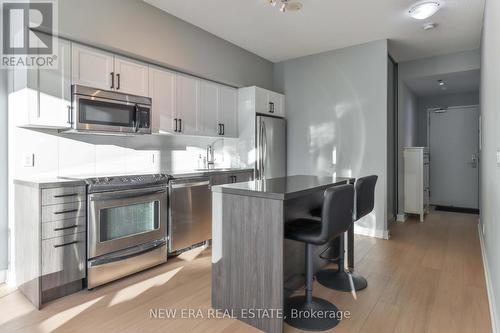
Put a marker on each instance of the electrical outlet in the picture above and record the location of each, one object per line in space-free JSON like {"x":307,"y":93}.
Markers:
{"x":29,"y":160}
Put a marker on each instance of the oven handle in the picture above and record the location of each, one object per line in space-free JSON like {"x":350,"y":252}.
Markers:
{"x":127,"y":194}
{"x":125,"y":254}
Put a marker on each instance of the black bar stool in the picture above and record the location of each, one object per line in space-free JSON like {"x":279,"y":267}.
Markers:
{"x":363,"y":205}
{"x":336,"y":219}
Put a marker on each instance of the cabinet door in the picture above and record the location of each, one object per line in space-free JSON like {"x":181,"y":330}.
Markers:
{"x":162,"y":93}
{"x":92,"y":67}
{"x":209,"y":108}
{"x":261,"y":100}
{"x":243,"y":177}
{"x":276,"y":104}
{"x":186,"y":104}
{"x":131,"y":76}
{"x":228,"y":111}
{"x":54,"y":92}
{"x":63,"y":260}
{"x":220,"y":179}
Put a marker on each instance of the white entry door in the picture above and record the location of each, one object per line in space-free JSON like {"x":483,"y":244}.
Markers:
{"x":454,"y":151}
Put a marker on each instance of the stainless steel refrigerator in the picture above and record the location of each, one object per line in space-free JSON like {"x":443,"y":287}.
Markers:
{"x":270,"y":147}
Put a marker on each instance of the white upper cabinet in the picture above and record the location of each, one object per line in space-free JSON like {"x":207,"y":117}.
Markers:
{"x":42,"y":97}
{"x":228,"y":111}
{"x":93,"y":68}
{"x":186,"y":105}
{"x":209,"y":108}
{"x":276,"y":104}
{"x":131,"y":76}
{"x":162,"y":93}
{"x":102,"y":70}
{"x":264,"y":101}
{"x":218,"y":110}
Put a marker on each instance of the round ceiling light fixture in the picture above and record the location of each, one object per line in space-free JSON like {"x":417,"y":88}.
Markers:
{"x":286,"y":5}
{"x":424,"y":10}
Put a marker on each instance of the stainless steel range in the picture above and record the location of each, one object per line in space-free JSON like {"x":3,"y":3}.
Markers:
{"x":127,"y":219}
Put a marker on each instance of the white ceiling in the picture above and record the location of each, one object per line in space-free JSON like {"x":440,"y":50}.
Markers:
{"x":324,"y":25}
{"x":455,"y":83}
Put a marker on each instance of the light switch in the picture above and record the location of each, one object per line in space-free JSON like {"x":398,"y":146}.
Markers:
{"x":29,"y":160}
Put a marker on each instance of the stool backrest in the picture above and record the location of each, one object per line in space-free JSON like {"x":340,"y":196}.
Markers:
{"x":365,"y":196}
{"x":336,"y":216}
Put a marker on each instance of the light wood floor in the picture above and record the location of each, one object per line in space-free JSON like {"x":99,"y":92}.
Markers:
{"x":427,"y":278}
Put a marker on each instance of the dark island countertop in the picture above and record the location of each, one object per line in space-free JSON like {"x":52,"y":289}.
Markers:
{"x":282,"y":188}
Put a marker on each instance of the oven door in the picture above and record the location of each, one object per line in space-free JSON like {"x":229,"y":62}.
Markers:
{"x":107,"y":115}
{"x":122,"y":219}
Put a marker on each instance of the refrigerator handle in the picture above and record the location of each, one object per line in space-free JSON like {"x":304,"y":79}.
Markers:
{"x":264,"y":149}
{"x":259,"y":149}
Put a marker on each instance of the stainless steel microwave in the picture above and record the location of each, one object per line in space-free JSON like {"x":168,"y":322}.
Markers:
{"x":108,"y":112}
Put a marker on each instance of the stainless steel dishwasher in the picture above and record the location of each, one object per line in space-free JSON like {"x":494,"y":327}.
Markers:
{"x":190,"y":213}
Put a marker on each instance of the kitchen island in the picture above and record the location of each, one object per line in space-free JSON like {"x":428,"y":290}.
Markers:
{"x":252,"y":263}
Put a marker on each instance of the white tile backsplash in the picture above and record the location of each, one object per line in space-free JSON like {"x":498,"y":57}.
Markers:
{"x":76,"y":155}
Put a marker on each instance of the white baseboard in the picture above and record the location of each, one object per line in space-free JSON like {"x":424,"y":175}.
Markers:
{"x":401,"y":218}
{"x":384,"y":234}
{"x":495,"y":324}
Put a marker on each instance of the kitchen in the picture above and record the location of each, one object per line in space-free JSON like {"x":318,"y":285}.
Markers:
{"x":124,"y":161}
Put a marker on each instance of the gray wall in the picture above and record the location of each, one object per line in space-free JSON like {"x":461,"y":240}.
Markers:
{"x":3,"y":172}
{"x":143,"y":31}
{"x":336,"y":108}
{"x":449,"y":100}
{"x":408,"y":118}
{"x":490,"y":170}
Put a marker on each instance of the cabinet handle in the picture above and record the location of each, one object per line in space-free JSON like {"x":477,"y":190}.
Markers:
{"x":180,"y":125}
{"x":175,"y":129}
{"x":66,"y":228}
{"x":271,"y":107}
{"x":223,"y":129}
{"x":112,"y":79}
{"x":69,"y":115}
{"x":65,"y":195}
{"x":65,"y":244}
{"x":219,"y":129}
{"x":66,"y":211}
{"x":118,"y":83}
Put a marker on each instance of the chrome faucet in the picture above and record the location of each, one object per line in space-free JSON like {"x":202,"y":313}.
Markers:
{"x":210,"y":161}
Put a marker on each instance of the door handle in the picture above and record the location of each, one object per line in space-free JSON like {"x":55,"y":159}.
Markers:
{"x":66,"y":228}
{"x":112,"y":80}
{"x":65,"y":244}
{"x":66,"y":211}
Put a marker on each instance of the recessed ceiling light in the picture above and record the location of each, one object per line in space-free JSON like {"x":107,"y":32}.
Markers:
{"x":424,"y":10}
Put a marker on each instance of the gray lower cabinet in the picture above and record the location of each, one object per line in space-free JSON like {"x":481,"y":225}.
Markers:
{"x":50,"y":241}
{"x":231,"y":177}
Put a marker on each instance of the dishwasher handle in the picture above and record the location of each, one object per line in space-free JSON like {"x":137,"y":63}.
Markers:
{"x":173,"y":184}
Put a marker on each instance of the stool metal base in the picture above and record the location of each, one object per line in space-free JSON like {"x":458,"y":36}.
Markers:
{"x":339,"y":280}
{"x":318,"y":315}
